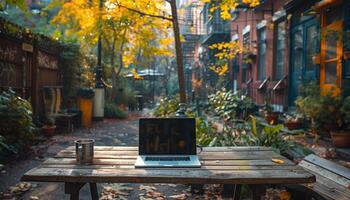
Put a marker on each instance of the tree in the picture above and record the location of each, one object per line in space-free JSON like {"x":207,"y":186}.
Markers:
{"x":127,"y":35}
{"x":225,"y":51}
{"x":176,"y":31}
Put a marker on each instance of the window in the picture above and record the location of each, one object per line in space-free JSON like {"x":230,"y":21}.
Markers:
{"x":246,"y":44}
{"x":279,"y":49}
{"x":261,"y":53}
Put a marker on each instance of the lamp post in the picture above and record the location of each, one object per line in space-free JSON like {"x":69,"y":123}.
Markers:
{"x":99,"y":98}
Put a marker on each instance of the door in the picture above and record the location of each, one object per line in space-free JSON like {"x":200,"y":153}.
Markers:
{"x":297,"y":44}
{"x":304,"y":45}
{"x":331,"y":57}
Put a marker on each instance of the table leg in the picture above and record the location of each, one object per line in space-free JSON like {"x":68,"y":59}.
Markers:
{"x":197,"y":188}
{"x":257,"y":191}
{"x":73,"y":189}
{"x":232,"y":192}
{"x":93,"y":191}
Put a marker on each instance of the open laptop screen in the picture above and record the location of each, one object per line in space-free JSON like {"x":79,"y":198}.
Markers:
{"x":167,"y":136}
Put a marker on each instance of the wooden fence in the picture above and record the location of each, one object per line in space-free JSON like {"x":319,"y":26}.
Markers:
{"x":26,"y":67}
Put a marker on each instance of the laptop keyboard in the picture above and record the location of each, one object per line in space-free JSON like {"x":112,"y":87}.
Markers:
{"x":178,"y":158}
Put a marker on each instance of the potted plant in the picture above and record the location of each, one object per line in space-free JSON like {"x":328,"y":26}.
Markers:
{"x":293,"y":121}
{"x":269,"y":114}
{"x":49,"y":127}
{"x":85,"y":98}
{"x":309,"y":104}
{"x":341,"y":135}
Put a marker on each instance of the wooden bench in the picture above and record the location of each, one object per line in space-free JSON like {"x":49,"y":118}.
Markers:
{"x":332,"y":180}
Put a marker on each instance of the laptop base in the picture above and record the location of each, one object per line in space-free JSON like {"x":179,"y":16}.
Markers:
{"x":167,"y":161}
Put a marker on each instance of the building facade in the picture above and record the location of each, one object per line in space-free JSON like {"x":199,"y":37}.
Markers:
{"x":288,"y":43}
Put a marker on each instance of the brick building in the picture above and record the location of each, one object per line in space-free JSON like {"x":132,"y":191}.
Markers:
{"x":288,"y":43}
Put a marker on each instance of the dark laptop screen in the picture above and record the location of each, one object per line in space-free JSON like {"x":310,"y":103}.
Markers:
{"x":167,"y":136}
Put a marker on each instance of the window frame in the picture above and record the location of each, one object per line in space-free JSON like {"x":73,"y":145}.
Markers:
{"x":277,"y":31}
{"x":245,"y":44}
{"x":261,"y":65}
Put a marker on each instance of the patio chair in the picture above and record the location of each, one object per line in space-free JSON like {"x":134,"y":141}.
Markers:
{"x":65,"y":119}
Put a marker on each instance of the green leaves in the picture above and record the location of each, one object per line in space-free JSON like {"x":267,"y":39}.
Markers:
{"x":230,"y":106}
{"x":16,"y":124}
{"x":22,"y":4}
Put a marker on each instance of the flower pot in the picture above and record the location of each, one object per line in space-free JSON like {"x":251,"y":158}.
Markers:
{"x":85,"y":105}
{"x":293,"y":125}
{"x":341,"y":138}
{"x":48,"y":130}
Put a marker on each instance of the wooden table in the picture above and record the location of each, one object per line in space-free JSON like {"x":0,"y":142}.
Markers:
{"x":231,"y":166}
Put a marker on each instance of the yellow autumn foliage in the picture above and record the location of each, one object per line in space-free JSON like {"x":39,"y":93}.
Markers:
{"x":123,"y":30}
{"x":226,"y":6}
{"x":220,"y":70}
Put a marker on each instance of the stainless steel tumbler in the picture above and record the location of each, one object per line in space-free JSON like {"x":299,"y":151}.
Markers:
{"x":84,"y":151}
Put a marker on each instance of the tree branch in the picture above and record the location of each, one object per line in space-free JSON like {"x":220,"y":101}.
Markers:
{"x":143,"y":13}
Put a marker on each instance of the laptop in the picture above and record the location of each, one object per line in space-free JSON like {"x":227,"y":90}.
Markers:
{"x":167,"y":142}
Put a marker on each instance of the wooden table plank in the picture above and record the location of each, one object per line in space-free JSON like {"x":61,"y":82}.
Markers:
{"x":225,"y":165}
{"x":106,"y":161}
{"x":220,"y":149}
{"x":193,"y":176}
{"x":246,"y":155}
{"x":96,"y":166}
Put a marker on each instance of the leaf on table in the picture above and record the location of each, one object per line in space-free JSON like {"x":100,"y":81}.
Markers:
{"x":309,"y":185}
{"x":278,"y":161}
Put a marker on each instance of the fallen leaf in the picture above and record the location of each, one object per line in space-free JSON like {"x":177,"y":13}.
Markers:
{"x":179,"y":196}
{"x":34,"y":198}
{"x":278,"y":161}
{"x":284,"y":195}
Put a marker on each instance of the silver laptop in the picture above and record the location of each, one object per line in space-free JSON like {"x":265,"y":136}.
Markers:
{"x":167,"y":142}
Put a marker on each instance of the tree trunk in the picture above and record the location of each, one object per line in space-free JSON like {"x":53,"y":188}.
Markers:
{"x":178,"y":50}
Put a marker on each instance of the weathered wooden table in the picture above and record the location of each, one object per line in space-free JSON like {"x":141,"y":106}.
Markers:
{"x":231,"y":166}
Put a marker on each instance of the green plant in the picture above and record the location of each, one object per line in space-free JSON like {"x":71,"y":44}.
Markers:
{"x":50,"y":121}
{"x":113,"y":111}
{"x":255,"y":133}
{"x":231,"y":106}
{"x":318,"y":108}
{"x":167,"y":107}
{"x":86,"y":93}
{"x":345,"y":112}
{"x":309,"y":103}
{"x":206,"y":133}
{"x":292,"y":117}
{"x":16,"y":125}
{"x":125,"y":96}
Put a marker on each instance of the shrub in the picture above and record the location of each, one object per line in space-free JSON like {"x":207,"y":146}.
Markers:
{"x":167,"y":107}
{"x":113,"y":111}
{"x":318,"y":108}
{"x":125,"y":96}
{"x":231,"y":106}
{"x":16,"y":125}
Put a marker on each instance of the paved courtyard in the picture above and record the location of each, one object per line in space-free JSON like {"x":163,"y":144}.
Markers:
{"x":110,"y":132}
